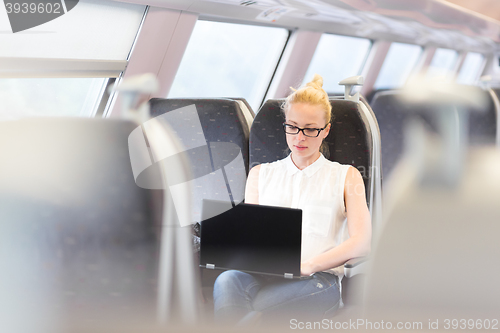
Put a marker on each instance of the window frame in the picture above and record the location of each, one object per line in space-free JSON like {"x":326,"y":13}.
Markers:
{"x":449,"y":74}
{"x":361,"y":68}
{"x":59,"y":68}
{"x":480,"y":70}
{"x":412,"y":71}
{"x":252,"y":24}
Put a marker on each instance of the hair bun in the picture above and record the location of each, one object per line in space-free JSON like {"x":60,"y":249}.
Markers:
{"x":312,"y":93}
{"x":316,"y":82}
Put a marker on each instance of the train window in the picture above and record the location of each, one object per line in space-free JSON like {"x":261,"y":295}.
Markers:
{"x":398,"y":64}
{"x":103,"y":30}
{"x":61,"y":68}
{"x":229,"y":60}
{"x":336,"y":58}
{"x":443,"y":63}
{"x":50,"y":97}
{"x":471,"y":68}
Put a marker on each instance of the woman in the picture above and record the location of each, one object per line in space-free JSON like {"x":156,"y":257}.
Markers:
{"x":336,"y":223}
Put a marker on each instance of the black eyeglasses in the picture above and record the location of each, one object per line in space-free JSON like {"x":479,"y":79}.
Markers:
{"x":310,"y":132}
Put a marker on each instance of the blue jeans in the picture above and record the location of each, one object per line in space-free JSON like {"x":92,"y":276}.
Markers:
{"x":237,"y":293}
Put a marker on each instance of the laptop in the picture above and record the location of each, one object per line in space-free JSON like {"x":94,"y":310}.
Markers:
{"x":251,"y":238}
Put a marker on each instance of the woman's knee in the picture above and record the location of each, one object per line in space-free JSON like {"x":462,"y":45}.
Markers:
{"x":234,"y":291}
{"x":233,"y":281}
{"x":229,"y":278}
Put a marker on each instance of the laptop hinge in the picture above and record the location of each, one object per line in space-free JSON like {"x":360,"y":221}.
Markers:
{"x":288,"y":276}
{"x":210,"y":266}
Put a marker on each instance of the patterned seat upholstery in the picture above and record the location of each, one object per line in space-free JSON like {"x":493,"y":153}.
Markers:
{"x":81,"y":232}
{"x":495,"y":95}
{"x":394,"y":113}
{"x":391,"y":114}
{"x":482,"y":120}
{"x":349,"y":140}
{"x":215,"y":134}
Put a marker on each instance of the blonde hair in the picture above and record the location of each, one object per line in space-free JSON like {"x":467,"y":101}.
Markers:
{"x":314,"y":94}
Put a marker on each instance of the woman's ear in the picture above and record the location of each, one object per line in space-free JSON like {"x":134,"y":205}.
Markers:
{"x":327,"y":130}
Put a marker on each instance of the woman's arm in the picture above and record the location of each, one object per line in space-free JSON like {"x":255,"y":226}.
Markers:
{"x":358,"y":224}
{"x":252,"y":187}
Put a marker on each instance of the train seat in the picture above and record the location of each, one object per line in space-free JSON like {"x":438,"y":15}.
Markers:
{"x":246,"y":108}
{"x":435,"y":262}
{"x":79,"y":238}
{"x":443,"y":218}
{"x":220,"y":129}
{"x":482,"y":118}
{"x":370,"y":96}
{"x":350,"y":141}
{"x":391,"y":113}
{"x":495,"y":95}
{"x":215,"y":133}
{"x":394,"y":113}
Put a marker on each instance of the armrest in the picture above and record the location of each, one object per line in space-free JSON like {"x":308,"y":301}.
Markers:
{"x":355,"y":266}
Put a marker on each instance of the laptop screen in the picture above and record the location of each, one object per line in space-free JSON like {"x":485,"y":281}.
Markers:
{"x":252,"y":238}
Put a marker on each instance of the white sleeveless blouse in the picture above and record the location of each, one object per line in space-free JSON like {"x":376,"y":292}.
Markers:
{"x":319,"y":191}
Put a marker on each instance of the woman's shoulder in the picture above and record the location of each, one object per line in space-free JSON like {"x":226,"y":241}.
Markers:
{"x":267,"y":169}
{"x":254,"y":170}
{"x":336,"y":165}
{"x":348,"y":174}
{"x":274,"y":164}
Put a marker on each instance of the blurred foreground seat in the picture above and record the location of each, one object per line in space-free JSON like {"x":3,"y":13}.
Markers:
{"x":79,"y":245}
{"x":436,"y":258}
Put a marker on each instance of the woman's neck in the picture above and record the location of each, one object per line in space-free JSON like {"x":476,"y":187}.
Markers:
{"x":304,"y":162}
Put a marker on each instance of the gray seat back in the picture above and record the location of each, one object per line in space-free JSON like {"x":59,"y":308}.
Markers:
{"x":393,"y":114}
{"x":215,"y":134}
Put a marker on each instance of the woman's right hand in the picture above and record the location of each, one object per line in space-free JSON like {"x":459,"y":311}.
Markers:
{"x":252,"y":187}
